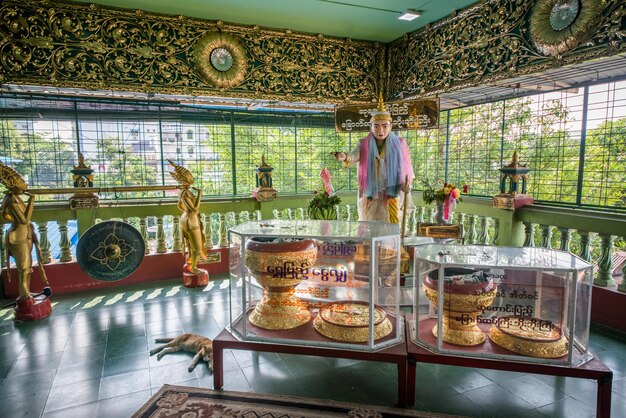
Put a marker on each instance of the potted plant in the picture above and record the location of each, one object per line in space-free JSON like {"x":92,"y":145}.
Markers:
{"x":324,"y":202}
{"x":445,"y":199}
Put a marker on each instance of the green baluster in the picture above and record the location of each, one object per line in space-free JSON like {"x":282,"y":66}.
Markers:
{"x":462,"y":217}
{"x":483,"y":238}
{"x":566,"y":239}
{"x":496,"y":231}
{"x":546,"y":236}
{"x":605,"y":264}
{"x":208,"y":231}
{"x":177,"y":236}
{"x":529,"y":234}
{"x":277,"y":214}
{"x":44,"y":242}
{"x":338,"y":212}
{"x":161,"y":246}
{"x":585,"y":251}
{"x":143,"y":229}
{"x":430,"y":215}
{"x":410,"y":224}
{"x":64,"y":242}
{"x":223,"y":237}
{"x":344,"y":213}
{"x":473,"y":231}
{"x":420,"y":218}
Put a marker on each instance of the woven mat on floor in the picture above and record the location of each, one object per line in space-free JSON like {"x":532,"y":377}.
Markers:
{"x":182,"y":402}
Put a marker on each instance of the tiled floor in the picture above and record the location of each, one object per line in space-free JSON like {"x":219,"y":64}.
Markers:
{"x":90,"y":358}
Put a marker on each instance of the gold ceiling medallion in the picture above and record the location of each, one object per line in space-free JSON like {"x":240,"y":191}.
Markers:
{"x":220,"y":59}
{"x":557,"y":26}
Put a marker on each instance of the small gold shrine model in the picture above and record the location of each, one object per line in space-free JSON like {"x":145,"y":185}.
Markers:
{"x":264,"y":191}
{"x":516,"y":197}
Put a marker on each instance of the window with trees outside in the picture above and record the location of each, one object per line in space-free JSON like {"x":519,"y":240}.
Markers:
{"x":574,"y":142}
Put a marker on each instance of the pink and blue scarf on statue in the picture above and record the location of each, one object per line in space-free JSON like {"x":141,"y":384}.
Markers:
{"x":393,"y":167}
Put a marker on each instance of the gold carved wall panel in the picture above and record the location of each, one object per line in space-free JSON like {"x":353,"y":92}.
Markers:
{"x":500,"y":39}
{"x":86,"y":46}
{"x":64,"y":44}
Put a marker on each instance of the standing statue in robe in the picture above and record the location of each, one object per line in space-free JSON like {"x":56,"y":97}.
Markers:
{"x":21,"y":235}
{"x":190,"y":221}
{"x":384,"y":170}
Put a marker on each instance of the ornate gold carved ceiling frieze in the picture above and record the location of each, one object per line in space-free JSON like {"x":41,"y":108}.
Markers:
{"x":86,"y":46}
{"x":500,"y":39}
{"x":66,"y":44}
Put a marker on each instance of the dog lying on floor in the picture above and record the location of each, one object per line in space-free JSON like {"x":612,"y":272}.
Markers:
{"x":202,"y":346}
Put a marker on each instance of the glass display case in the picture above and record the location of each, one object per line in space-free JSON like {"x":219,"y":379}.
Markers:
{"x":531,"y":304}
{"x":316,"y":283}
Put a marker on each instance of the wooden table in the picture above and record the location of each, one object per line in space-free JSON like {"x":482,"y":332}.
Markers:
{"x":396,"y":354}
{"x":593,"y":369}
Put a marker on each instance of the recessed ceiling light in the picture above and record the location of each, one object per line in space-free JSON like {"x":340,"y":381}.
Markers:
{"x":410,"y":14}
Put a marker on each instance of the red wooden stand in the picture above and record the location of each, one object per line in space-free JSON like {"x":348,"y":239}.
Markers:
{"x":31,"y":309}
{"x":199,"y":279}
{"x":225,"y":340}
{"x":593,"y":369}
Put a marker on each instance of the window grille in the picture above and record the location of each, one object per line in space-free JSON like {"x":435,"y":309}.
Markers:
{"x":428,"y":152}
{"x":574,"y":142}
{"x":604,"y":181}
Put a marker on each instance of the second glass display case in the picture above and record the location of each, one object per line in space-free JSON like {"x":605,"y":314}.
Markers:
{"x":531,"y":304}
{"x":316,"y":283}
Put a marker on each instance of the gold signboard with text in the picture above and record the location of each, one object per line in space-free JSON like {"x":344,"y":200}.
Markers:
{"x":409,"y":114}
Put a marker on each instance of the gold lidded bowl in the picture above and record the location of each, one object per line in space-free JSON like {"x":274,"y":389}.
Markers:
{"x":466,"y":293}
{"x":279,"y":266}
{"x":349,"y":321}
{"x":529,"y":336}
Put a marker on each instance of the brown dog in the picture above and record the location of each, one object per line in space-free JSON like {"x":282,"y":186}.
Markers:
{"x":202,"y":346}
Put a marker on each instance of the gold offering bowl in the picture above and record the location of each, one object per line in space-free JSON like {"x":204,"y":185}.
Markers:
{"x":279,"y":267}
{"x":531,"y":337}
{"x":463,"y":303}
{"x":349,"y":321}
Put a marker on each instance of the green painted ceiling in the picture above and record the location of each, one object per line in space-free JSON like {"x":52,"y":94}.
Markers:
{"x":372,"y":20}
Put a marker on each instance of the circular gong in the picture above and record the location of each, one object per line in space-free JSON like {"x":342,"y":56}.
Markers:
{"x":110,"y":251}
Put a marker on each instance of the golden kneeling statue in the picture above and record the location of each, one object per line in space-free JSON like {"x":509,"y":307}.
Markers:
{"x":190,"y":221}
{"x":19,"y":244}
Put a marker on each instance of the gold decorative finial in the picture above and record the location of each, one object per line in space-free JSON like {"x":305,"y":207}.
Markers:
{"x":181,"y":174}
{"x":81,"y":163}
{"x":514,"y":162}
{"x":381,"y":103}
{"x":381,"y":113}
